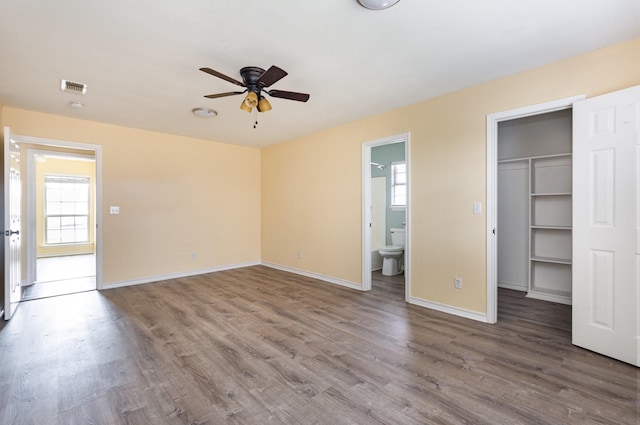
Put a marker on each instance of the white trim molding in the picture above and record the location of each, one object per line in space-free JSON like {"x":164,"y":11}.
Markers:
{"x":97,"y":152}
{"x":456,"y":311}
{"x":159,"y":278}
{"x":492,"y":188}
{"x":366,"y":209}
{"x":329,"y":279}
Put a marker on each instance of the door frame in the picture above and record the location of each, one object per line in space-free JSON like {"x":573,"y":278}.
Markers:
{"x":492,"y":187}
{"x":43,"y":144}
{"x":366,"y":209}
{"x":31,"y":202}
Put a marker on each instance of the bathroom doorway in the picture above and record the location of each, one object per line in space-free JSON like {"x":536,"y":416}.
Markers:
{"x":385,"y":214}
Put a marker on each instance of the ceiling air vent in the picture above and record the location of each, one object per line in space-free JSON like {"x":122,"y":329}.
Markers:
{"x":73,"y":87}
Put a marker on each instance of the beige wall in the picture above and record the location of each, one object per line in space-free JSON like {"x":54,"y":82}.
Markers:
{"x":232,"y":204}
{"x":177,"y":196}
{"x":67,"y":167}
{"x":311,"y":186}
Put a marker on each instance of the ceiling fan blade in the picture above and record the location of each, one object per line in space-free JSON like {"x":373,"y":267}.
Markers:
{"x":271,"y":75}
{"x":224,"y":77}
{"x":230,"y":93}
{"x":291,"y":95}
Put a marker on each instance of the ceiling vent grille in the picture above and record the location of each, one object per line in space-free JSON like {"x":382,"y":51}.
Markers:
{"x":73,"y":87}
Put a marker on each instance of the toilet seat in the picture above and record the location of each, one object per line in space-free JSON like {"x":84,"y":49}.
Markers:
{"x":390,"y":250}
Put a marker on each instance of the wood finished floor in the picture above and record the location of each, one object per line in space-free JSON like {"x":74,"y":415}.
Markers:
{"x":261,"y":346}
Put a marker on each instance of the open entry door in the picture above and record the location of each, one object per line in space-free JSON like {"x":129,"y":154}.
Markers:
{"x":12,"y":211}
{"x":606,"y":223}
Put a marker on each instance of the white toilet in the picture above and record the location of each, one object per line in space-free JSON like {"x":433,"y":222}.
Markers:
{"x":392,"y":255}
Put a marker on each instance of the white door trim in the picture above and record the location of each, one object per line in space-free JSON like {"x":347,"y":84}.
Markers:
{"x":366,"y":209}
{"x":31,"y":202}
{"x":492,"y":187}
{"x":97,"y":151}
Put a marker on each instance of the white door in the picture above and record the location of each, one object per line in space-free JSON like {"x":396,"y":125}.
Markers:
{"x":606,"y":222}
{"x":12,"y":196}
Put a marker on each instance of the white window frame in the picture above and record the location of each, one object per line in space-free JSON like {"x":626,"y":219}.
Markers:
{"x":394,"y":184}
{"x":79,"y":180}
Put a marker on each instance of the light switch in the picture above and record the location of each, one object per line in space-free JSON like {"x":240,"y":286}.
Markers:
{"x":477,"y":207}
{"x":114,"y":210}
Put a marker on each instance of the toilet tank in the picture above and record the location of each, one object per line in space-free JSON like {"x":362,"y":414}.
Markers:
{"x":397,"y":236}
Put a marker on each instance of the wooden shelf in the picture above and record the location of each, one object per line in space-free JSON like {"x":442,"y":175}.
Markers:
{"x":552,"y":227}
{"x":552,"y":194}
{"x":527,"y":158}
{"x":552,"y":260}
{"x":550,"y":219}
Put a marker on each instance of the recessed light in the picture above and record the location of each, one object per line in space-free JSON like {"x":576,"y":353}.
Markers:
{"x":76,"y":105}
{"x":204,"y":112}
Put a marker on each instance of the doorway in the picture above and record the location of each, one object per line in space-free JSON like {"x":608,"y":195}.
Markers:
{"x":385,"y":211}
{"x":541,"y":253}
{"x":61,"y":203}
{"x":61,"y":185}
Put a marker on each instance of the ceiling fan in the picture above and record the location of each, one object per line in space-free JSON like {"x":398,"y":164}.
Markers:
{"x":255,"y":81}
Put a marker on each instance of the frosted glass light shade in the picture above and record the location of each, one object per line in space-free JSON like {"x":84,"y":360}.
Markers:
{"x":377,"y":4}
{"x":249,"y":102}
{"x":264,"y":105}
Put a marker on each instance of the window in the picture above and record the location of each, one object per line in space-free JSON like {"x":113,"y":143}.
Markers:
{"x":66,"y":209}
{"x":398,"y":184}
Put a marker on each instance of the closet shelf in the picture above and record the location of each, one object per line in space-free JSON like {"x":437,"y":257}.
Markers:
{"x":552,"y":194}
{"x":527,"y":158}
{"x":534,"y":226}
{"x":551,"y":260}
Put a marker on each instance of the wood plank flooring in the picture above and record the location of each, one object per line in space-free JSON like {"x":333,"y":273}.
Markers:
{"x":261,"y":346}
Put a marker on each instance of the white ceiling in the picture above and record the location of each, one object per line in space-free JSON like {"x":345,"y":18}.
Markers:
{"x":140,"y":59}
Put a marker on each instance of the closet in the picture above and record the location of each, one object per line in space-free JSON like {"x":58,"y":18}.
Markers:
{"x":534,"y":205}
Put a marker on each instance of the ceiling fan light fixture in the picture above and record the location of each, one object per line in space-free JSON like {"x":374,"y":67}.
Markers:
{"x":249,"y":102}
{"x":244,"y":107}
{"x":264,"y":105}
{"x":377,"y":4}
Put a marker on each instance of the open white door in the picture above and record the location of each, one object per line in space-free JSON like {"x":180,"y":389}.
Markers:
{"x":606,"y":222}
{"x":12,"y":196}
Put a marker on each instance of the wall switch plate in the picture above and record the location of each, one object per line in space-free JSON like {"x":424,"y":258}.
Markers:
{"x":477,"y":207}
{"x":114,"y":210}
{"x":457,"y":282}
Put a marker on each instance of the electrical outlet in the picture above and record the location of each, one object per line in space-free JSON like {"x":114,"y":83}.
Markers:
{"x":193,"y":255}
{"x":114,"y":210}
{"x":299,"y":253}
{"x":457,"y":282}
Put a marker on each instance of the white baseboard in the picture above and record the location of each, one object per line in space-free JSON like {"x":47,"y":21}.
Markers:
{"x":176,"y":275}
{"x":513,"y":286}
{"x":456,"y":311}
{"x":352,"y":285}
{"x":318,"y":276}
{"x":560,"y":299}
